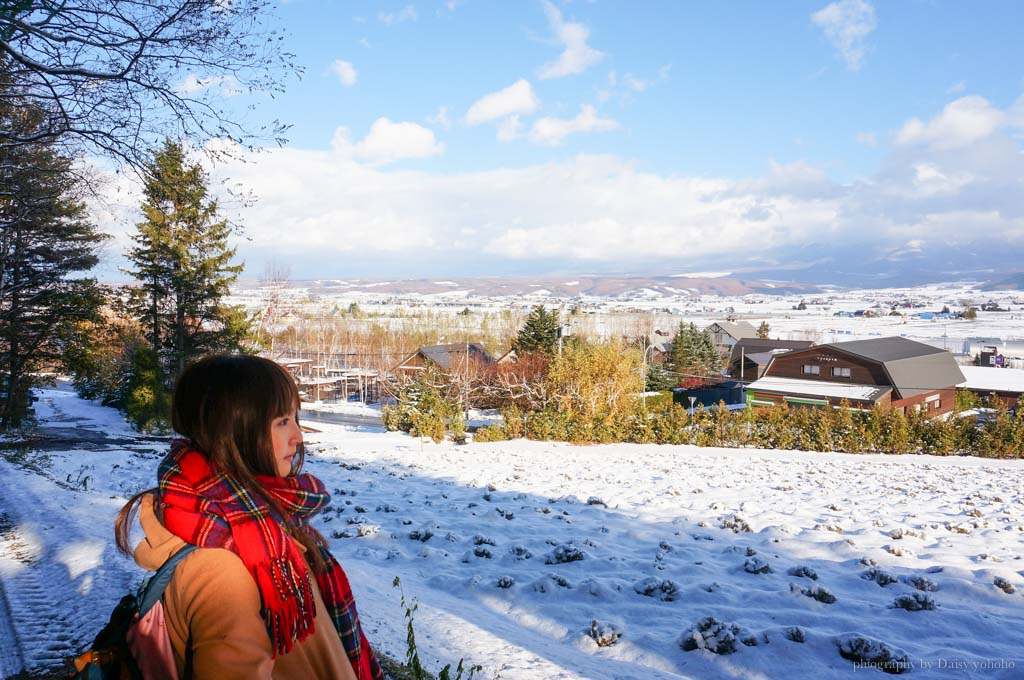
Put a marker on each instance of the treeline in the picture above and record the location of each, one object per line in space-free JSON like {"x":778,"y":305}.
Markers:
{"x":880,"y":430}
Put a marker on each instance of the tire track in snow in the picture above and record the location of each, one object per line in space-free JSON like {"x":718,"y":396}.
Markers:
{"x":11,"y":659}
{"x":58,"y":569}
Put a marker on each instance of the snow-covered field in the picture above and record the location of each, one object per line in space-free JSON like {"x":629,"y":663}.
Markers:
{"x":515,"y":549}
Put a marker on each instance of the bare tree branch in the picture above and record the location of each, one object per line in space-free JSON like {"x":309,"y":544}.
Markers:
{"x":118,"y":76}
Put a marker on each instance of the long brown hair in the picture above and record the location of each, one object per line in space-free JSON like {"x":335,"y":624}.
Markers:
{"x":223,"y":405}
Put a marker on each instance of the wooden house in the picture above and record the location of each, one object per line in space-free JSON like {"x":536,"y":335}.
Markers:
{"x":894,"y":371}
{"x":455,"y":357}
{"x":751,"y":356}
{"x":725,"y":334}
{"x":1005,"y":385}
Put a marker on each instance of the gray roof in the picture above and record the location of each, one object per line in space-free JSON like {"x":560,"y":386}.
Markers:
{"x":442,"y":355}
{"x":913,"y":367}
{"x":737,"y":329}
{"x":750,"y":346}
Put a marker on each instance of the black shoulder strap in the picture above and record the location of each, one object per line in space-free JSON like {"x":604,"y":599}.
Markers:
{"x":154,"y":589}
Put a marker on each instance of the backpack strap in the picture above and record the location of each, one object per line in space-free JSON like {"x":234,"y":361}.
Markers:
{"x":157,"y":583}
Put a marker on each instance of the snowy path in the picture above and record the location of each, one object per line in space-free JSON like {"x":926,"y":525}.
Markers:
{"x":484,"y":536}
{"x":58,"y":566}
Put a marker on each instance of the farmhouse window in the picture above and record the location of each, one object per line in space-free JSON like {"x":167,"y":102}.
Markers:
{"x":812,"y":369}
{"x":840,"y":372}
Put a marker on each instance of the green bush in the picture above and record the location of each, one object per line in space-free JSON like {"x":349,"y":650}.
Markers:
{"x":147,"y":402}
{"x":491,"y":433}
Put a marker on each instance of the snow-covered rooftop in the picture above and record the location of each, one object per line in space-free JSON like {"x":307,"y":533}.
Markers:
{"x":819,"y":388}
{"x":995,"y":379}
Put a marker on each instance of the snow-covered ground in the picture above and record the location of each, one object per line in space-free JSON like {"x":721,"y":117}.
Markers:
{"x":515,"y":549}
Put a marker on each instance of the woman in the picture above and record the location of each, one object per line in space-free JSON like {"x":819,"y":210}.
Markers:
{"x":261,"y":597}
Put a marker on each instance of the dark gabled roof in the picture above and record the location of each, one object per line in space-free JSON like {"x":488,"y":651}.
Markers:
{"x":444,"y":355}
{"x":893,"y":348}
{"x":913,"y":367}
{"x":750,"y":346}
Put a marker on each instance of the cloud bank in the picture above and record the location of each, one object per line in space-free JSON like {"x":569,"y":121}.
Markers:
{"x":953,"y":178}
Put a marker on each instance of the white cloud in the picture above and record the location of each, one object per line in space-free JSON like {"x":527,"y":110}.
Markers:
{"x":551,"y":131}
{"x":577,"y":56}
{"x":441,"y":119}
{"x":345,"y":72}
{"x":961,"y":123}
{"x":364,"y":43}
{"x":407,"y":13}
{"x":388,"y":142}
{"x":509,"y":128}
{"x":846,"y":24}
{"x":225,"y":86}
{"x":517,"y":98}
{"x":317,"y":206}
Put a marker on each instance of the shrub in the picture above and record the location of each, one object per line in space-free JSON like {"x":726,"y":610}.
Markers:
{"x":866,"y":651}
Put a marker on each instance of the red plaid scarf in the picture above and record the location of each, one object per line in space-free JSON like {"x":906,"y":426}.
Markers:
{"x":211,"y":510}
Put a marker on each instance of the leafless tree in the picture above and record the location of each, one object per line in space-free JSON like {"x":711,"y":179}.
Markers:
{"x":118,"y":76}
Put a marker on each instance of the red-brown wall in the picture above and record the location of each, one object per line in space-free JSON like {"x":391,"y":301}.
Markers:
{"x":862,"y":371}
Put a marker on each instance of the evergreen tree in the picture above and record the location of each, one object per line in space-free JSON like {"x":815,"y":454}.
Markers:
{"x":46,"y":244}
{"x":693,"y":355}
{"x":763,"y":330}
{"x":539,"y":333}
{"x":181,"y":257}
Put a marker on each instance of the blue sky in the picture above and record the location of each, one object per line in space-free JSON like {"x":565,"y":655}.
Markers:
{"x":443,"y":137}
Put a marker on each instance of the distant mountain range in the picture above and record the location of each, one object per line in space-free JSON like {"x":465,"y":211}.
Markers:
{"x":810,"y":269}
{"x":535,"y":287}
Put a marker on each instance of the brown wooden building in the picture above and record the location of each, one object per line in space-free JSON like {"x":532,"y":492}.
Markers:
{"x":894,"y":371}
{"x":1004,"y":386}
{"x":454,"y":357}
{"x":751,"y":356}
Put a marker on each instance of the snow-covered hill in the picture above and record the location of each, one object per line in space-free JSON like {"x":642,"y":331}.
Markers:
{"x":522,"y":553}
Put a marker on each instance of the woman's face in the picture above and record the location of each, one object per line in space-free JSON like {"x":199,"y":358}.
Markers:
{"x":286,"y":437}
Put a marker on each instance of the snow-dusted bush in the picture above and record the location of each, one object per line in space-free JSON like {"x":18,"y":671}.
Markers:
{"x":756,"y":565}
{"x":480,"y":539}
{"x":803,"y":572}
{"x":595,"y":500}
{"x":652,"y":586}
{"x":482,"y":552}
{"x":921,"y":583}
{"x":564,"y":554}
{"x":604,"y":633}
{"x":1004,"y":585}
{"x":545,"y":583}
{"x":423,"y":535}
{"x":736,"y":524}
{"x":717,"y":637}
{"x":914,"y":602}
{"x":819,"y":593}
{"x":795,"y":634}
{"x":864,"y":650}
{"x":520,"y":552}
{"x":880,"y":577}
{"x":506,"y":582}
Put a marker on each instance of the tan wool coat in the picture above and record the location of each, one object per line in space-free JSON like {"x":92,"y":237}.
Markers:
{"x":212,"y":608}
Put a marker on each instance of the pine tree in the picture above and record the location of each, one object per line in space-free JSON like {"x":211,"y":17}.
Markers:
{"x":763,"y":330}
{"x":539,"y":333}
{"x":693,"y":355}
{"x":46,"y":244}
{"x":181,"y":257}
